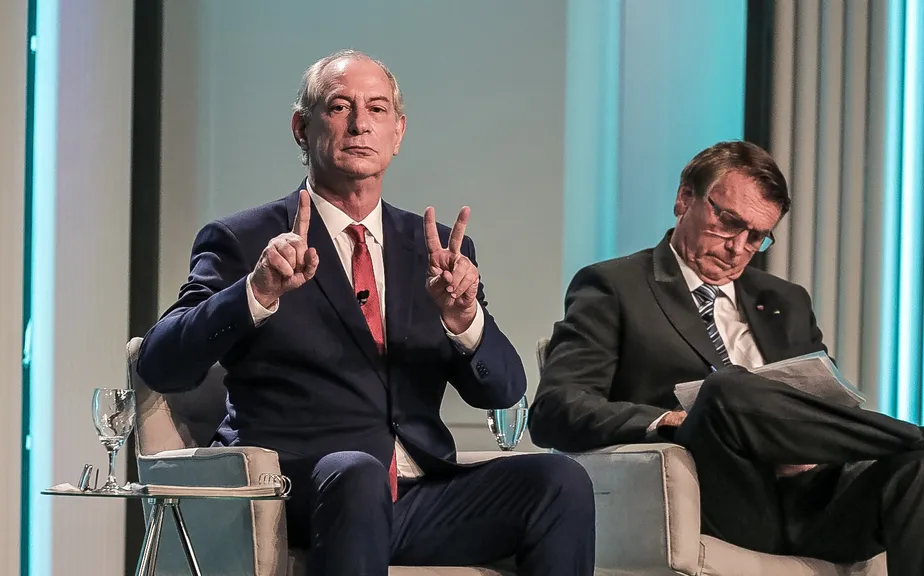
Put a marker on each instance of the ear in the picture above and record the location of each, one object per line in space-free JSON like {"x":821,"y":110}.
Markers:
{"x":684,"y":201}
{"x":400,"y":126}
{"x":299,"y":128}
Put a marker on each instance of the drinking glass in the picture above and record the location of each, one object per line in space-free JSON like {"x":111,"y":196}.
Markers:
{"x":114,"y":417}
{"x":507,"y":425}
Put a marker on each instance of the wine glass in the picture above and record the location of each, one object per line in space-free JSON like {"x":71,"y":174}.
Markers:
{"x":114,"y":417}
{"x":508,"y":424}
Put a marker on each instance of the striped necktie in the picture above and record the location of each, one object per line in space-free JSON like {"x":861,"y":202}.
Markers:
{"x":705,"y":297}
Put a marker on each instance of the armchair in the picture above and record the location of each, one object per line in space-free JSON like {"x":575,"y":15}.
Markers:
{"x":231,"y":538}
{"x":648,"y":519}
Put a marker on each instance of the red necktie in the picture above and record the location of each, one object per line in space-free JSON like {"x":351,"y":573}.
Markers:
{"x":364,"y":281}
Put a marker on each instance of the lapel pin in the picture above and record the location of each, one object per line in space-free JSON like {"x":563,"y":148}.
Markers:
{"x":760,"y":306}
{"x":776,"y":311}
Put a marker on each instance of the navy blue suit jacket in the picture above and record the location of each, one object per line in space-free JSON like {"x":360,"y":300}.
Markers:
{"x":309,"y":381}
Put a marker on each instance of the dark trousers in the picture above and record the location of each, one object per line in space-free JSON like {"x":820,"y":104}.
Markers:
{"x":866,"y":496}
{"x":538,"y":509}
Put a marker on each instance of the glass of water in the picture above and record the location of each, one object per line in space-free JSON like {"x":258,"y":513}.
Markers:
{"x":114,"y":417}
{"x":507,"y":425}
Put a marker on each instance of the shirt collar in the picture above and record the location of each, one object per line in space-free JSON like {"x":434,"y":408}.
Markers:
{"x":336,"y":220}
{"x":694,"y":281}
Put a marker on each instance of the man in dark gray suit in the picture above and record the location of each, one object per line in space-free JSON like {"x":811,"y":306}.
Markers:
{"x":780,"y":471}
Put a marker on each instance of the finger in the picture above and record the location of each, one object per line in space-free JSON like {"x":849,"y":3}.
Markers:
{"x":430,"y":231}
{"x":288,"y":252}
{"x":301,"y":248}
{"x":302,"y":215}
{"x":446,"y":278}
{"x":278,"y":263}
{"x":311,"y":263}
{"x":460,"y":268}
{"x":470,"y":279}
{"x":458,"y":230}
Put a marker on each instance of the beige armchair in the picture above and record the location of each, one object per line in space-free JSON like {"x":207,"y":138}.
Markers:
{"x":230,"y":538}
{"x":648,"y":519}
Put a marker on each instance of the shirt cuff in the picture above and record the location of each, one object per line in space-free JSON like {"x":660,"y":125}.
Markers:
{"x":654,"y":425}
{"x":258,"y":313}
{"x":468,"y":341}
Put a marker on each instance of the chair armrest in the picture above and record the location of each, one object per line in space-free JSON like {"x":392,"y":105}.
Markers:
{"x":232,"y":537}
{"x":647,"y":500}
{"x":220,"y":466}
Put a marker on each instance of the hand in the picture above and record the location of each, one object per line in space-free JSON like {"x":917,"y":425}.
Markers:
{"x":452,"y":278}
{"x":788,"y":470}
{"x":673,"y":419}
{"x":287,"y":262}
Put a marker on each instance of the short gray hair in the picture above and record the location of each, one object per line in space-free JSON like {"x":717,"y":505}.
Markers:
{"x":312,"y":89}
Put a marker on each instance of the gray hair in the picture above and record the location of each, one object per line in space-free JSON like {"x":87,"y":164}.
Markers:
{"x":312,"y":88}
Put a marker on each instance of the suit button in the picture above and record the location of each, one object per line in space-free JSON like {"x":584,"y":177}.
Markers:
{"x":395,"y":425}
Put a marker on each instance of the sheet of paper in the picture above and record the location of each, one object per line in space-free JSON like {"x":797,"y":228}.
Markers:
{"x":813,"y":374}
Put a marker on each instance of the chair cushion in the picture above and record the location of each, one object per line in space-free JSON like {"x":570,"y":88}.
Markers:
{"x":723,"y":559}
{"x":442,"y":571}
{"x":297,"y":559}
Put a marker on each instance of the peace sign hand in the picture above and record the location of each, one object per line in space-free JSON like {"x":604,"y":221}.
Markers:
{"x":452,"y":279}
{"x":287,"y":262}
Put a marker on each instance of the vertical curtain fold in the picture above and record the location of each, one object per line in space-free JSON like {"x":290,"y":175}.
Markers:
{"x":847,"y":128}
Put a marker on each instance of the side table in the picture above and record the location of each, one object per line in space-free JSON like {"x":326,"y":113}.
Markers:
{"x":159,"y":504}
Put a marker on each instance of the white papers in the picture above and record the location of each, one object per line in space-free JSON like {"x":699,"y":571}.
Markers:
{"x":66,"y":487}
{"x":812,"y":373}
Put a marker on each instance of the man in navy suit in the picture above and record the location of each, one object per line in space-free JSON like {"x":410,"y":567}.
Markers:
{"x":339,"y":319}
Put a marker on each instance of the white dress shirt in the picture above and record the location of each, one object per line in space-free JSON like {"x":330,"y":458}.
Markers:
{"x":732,"y":325}
{"x":336,"y":222}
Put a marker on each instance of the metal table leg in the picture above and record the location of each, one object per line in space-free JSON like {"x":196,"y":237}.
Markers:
{"x":148,"y":559}
{"x":184,"y":538}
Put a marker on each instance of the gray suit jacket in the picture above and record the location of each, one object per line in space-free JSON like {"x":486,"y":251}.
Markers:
{"x":631,"y":332}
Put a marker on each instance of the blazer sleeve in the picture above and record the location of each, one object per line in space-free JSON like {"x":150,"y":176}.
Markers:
{"x":572,"y":410}
{"x":209,"y":318}
{"x":493,"y":375}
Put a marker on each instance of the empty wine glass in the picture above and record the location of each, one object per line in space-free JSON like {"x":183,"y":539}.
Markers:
{"x":114,"y":417}
{"x":508,"y":424}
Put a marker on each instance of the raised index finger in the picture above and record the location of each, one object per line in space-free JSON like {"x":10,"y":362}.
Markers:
{"x":458,"y":230}
{"x":430,"y":232}
{"x":302,"y":215}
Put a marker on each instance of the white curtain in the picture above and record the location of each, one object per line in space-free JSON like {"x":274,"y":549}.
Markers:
{"x":841,"y":121}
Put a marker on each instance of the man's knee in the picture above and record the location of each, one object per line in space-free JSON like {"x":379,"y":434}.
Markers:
{"x":567,"y":482}
{"x":354,"y":477}
{"x":733,"y":386}
{"x":721,"y":385}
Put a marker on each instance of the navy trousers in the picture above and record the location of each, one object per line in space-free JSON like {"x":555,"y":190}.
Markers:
{"x":536,"y":508}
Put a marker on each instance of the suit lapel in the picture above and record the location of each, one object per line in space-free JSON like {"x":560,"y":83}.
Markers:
{"x":332,"y":280}
{"x":673,"y":296}
{"x":404,"y":264}
{"x":765,"y":316}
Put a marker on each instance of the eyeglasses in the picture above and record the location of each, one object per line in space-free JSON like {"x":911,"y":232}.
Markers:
{"x":729,"y":225}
